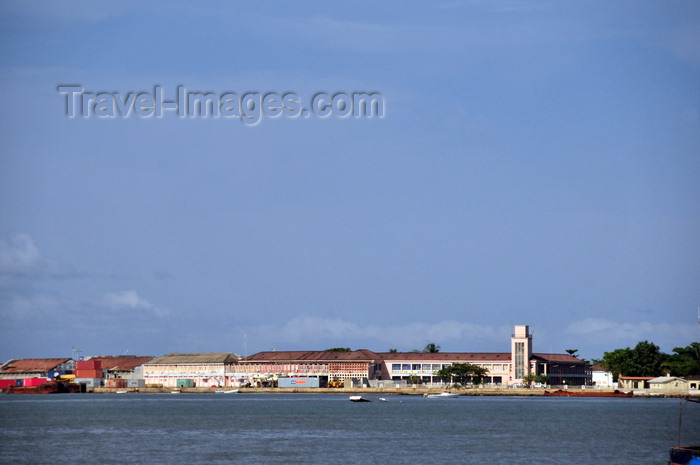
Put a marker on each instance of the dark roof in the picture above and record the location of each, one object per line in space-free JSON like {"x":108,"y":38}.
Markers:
{"x":446,"y":356}
{"x":558,"y":358}
{"x":33,"y":365}
{"x":121,"y":362}
{"x":215,"y":357}
{"x":362,"y":355}
{"x":598,"y":367}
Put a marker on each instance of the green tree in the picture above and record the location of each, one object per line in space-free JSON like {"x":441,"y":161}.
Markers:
{"x":644,"y":360}
{"x":684,"y":362}
{"x":462,"y":373}
{"x":647,"y":359}
{"x":339,"y":349}
{"x":414,"y":379}
{"x":432,"y":348}
{"x":572,"y":352}
{"x":533,"y":378}
{"x":393,"y":351}
{"x":529,"y":379}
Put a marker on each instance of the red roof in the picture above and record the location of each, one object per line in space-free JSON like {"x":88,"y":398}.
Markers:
{"x":32,"y":365}
{"x":362,"y":355}
{"x":121,"y":362}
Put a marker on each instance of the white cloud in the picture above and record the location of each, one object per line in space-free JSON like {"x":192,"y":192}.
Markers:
{"x":18,"y":254}
{"x":132,"y":301}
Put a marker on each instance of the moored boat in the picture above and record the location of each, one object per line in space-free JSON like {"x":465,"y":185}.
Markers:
{"x":684,"y":456}
{"x":359,"y":399}
{"x":49,"y":387}
{"x":442,"y":395}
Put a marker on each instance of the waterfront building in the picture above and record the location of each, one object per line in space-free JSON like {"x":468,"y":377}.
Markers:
{"x":421,"y":366}
{"x":122,"y":371}
{"x":634,"y":382}
{"x":329,"y":366}
{"x":668,"y":385}
{"x":39,"y":369}
{"x":503,"y":368}
{"x":191,"y":370}
{"x":601,"y":377}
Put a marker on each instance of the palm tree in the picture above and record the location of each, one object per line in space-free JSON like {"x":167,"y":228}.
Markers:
{"x":432,"y":348}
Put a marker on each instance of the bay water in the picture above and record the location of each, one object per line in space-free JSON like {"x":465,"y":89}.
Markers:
{"x":329,"y":429}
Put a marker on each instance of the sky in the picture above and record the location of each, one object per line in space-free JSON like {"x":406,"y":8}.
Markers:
{"x":533,"y":162}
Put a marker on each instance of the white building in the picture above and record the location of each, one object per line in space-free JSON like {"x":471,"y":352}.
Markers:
{"x":187,"y":370}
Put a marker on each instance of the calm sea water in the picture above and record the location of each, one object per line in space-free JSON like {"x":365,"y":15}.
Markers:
{"x":328,"y":429}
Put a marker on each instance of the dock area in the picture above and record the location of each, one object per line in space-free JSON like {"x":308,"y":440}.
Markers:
{"x":409,"y":391}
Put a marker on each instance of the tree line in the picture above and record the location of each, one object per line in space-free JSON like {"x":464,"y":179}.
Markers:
{"x":646,"y":359}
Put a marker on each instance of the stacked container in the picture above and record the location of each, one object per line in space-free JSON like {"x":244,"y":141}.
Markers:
{"x":88,"y":369}
{"x":89,"y":372}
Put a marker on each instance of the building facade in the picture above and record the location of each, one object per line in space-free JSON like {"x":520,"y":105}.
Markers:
{"x":35,"y":368}
{"x":503,"y":368}
{"x":191,"y":370}
{"x":266,"y":368}
{"x":123,"y":366}
{"x":421,"y":367}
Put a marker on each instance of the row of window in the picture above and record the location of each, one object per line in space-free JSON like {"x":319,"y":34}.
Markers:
{"x":439,"y":366}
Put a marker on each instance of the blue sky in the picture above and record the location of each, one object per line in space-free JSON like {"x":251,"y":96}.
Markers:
{"x":537,"y":163}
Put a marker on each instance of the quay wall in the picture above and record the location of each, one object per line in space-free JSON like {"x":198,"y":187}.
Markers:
{"x":417,"y":391}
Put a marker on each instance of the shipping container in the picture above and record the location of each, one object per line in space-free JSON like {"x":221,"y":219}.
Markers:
{"x":136,"y":383}
{"x":6,"y":383}
{"x":90,"y":382}
{"x":33,"y":381}
{"x":185,"y":383}
{"x":298,"y":382}
{"x":57,"y":373}
{"x":93,"y":364}
{"x":83,"y":373}
{"x":116,"y":383}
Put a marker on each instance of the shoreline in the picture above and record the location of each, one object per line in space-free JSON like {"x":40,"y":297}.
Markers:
{"x":509,"y":392}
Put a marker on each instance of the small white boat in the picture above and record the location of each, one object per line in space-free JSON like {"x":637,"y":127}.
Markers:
{"x":383,"y":399}
{"x":175,"y":392}
{"x":231,"y":391}
{"x":442,"y":395}
{"x":121,"y":392}
{"x":359,"y":399}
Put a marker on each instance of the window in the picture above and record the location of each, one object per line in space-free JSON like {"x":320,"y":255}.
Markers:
{"x":426,"y":367}
{"x":395,"y":366}
{"x":436,"y":366}
{"x":519,"y":360}
{"x":416,"y":366}
{"x":406,"y":366}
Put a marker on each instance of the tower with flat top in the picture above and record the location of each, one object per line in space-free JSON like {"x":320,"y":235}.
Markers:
{"x":521,"y":353}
